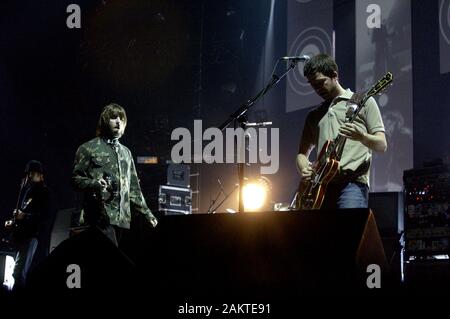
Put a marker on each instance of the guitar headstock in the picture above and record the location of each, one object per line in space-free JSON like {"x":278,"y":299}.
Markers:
{"x":381,"y":85}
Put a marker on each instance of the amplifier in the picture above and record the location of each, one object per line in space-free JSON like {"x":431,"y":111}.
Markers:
{"x":174,"y":200}
{"x":427,"y":185}
{"x":427,"y":211}
{"x":178,"y":175}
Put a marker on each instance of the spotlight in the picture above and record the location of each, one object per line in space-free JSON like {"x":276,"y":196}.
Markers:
{"x":256,"y":194}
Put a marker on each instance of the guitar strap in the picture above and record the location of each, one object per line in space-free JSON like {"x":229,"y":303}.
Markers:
{"x":356,"y":98}
{"x":349,"y":175}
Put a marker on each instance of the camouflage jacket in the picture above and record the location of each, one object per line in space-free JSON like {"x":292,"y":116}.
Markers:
{"x":96,"y":158}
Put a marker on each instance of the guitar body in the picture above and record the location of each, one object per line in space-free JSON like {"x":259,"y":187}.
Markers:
{"x":311,"y":192}
{"x":15,"y":226}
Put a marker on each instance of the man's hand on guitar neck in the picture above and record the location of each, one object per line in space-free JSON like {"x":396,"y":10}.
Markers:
{"x":376,"y":142}
{"x":351,"y":131}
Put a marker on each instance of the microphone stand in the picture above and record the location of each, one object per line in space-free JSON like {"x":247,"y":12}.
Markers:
{"x":217,"y":197}
{"x":212,"y":210}
{"x":239,"y":117}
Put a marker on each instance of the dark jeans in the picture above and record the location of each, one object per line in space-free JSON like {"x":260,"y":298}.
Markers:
{"x":25,"y":253}
{"x":346,"y":195}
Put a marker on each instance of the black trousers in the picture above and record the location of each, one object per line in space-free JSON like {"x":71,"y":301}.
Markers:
{"x":114,"y":233}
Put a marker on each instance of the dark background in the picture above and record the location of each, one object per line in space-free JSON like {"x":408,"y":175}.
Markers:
{"x":169,"y":62}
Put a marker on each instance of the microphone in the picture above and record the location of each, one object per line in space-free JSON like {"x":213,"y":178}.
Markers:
{"x":302,"y":58}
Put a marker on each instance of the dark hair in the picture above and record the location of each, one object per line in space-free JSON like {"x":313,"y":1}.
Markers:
{"x":34,"y":166}
{"x":322,"y":63}
{"x":110,"y":111}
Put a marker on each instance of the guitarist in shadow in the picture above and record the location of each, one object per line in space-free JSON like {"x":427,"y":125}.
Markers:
{"x":29,"y":219}
{"x":348,"y":185}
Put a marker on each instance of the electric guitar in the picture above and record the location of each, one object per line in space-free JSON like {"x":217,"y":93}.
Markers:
{"x":311,"y":192}
{"x":14,"y":224}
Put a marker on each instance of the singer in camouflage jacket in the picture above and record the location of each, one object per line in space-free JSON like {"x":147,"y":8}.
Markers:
{"x":105,"y":156}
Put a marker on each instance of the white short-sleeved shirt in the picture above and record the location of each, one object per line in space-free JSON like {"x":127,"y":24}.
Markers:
{"x":323,"y":124}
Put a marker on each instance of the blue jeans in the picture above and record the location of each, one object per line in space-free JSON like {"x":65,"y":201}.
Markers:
{"x":25,"y":253}
{"x":347,"y":195}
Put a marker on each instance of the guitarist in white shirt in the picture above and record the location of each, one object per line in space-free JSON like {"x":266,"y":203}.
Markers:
{"x":349,"y":187}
